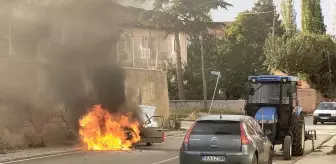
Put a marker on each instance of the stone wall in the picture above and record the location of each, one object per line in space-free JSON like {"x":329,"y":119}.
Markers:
{"x":30,"y":114}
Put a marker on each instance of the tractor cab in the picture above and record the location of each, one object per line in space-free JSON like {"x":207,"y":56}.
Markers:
{"x":271,"y":98}
{"x":273,"y":102}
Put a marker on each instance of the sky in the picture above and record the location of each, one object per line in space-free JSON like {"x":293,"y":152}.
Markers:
{"x":223,"y":15}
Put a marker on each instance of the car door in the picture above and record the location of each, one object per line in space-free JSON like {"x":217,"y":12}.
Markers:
{"x":152,"y":130}
{"x":263,"y":138}
{"x":256,"y":140}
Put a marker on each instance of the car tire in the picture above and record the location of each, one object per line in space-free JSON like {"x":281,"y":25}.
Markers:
{"x":315,"y":122}
{"x":287,"y":151}
{"x":149,"y":144}
{"x":255,"y":159}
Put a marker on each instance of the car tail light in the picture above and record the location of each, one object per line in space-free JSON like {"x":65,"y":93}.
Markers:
{"x":243,"y":136}
{"x":187,"y":136}
{"x":162,"y":136}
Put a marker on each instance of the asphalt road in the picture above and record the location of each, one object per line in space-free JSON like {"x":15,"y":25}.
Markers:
{"x":165,"y":153}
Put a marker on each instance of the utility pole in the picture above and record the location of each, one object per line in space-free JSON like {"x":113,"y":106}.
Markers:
{"x":273,"y":32}
{"x":329,"y":67}
{"x":10,"y":38}
{"x":205,"y":94}
{"x":273,"y":26}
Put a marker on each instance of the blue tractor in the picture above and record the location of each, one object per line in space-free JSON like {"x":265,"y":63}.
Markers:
{"x":273,"y":102}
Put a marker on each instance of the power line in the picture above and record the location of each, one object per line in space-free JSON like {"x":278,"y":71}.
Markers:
{"x":247,"y":13}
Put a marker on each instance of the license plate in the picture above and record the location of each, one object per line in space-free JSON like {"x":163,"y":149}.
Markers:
{"x":213,"y":158}
{"x":324,"y":118}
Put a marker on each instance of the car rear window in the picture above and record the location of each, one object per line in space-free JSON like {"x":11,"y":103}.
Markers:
{"x":216,"y":128}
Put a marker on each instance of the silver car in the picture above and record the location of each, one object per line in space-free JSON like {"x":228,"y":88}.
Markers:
{"x":231,"y":139}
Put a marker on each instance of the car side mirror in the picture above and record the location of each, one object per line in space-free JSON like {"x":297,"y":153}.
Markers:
{"x":267,"y":132}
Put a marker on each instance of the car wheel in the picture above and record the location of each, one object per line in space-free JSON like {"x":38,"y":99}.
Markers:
{"x":315,"y":122}
{"x":149,"y":144}
{"x":255,"y":159}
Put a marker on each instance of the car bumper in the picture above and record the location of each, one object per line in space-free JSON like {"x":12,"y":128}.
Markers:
{"x":230,"y":158}
{"x":325,"y":118}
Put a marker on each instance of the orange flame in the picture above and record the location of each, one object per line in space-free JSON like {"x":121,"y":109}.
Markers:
{"x":100,"y":130}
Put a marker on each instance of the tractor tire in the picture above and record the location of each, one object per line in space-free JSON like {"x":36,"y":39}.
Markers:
{"x":299,"y":136}
{"x":287,"y":151}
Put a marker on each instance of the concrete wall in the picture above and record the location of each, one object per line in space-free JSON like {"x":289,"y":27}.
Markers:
{"x":30,"y":114}
{"x":235,"y":105}
{"x":308,"y":99}
{"x":140,"y":37}
{"x":148,"y":87}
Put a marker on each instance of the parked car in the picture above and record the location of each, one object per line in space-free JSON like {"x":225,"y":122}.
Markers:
{"x":226,"y":139}
{"x":325,"y":112}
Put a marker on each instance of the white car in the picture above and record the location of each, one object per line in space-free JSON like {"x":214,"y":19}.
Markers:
{"x":325,"y":112}
{"x":152,"y":130}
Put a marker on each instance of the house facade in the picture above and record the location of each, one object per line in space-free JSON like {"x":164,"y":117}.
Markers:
{"x":141,"y":47}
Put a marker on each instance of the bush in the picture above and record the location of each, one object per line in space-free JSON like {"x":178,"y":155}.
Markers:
{"x":177,"y":124}
{"x":4,"y":147}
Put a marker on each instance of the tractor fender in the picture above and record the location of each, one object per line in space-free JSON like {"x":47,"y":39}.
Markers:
{"x":297,"y":111}
{"x":266,"y":114}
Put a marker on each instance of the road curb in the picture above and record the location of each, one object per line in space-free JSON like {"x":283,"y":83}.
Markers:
{"x":41,"y":155}
{"x":317,"y":146}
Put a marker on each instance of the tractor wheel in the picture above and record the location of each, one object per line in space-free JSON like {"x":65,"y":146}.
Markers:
{"x":299,"y":136}
{"x":287,"y":151}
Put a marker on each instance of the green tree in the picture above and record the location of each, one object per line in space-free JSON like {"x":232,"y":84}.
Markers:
{"x":238,"y":55}
{"x":246,"y":38}
{"x":312,"y":19}
{"x":193,"y":73}
{"x":288,"y":16}
{"x":305,"y":54}
{"x":184,"y":16}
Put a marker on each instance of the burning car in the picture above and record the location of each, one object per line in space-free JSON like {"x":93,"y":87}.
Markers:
{"x":152,"y":129}
{"x":101,"y":130}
